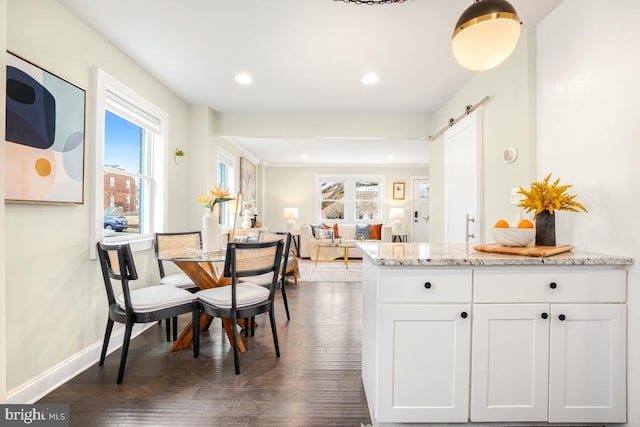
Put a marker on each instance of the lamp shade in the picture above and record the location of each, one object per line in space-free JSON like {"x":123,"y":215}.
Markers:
{"x":396,"y":213}
{"x":290,"y":213}
{"x":485,"y":34}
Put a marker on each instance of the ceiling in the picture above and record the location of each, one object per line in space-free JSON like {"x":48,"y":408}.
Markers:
{"x":305,"y":56}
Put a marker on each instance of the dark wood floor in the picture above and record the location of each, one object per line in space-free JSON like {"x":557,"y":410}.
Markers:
{"x":315,"y":382}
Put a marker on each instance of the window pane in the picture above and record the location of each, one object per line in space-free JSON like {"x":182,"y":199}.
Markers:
{"x":332,"y":210}
{"x":122,"y":143}
{"x":332,"y":196}
{"x":367,"y":200}
{"x":123,"y":151}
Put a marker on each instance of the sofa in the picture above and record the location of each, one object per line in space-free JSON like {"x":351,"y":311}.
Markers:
{"x":313,"y":234}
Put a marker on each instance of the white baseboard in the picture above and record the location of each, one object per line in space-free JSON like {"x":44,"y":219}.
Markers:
{"x":53,"y":378}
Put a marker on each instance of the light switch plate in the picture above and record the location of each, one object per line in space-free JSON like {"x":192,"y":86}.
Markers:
{"x":515,"y":196}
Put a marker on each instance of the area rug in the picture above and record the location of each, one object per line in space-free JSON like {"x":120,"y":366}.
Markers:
{"x":329,"y":271}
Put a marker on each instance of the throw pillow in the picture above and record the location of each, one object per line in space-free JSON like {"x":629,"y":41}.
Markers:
{"x":333,"y":227}
{"x":363,"y":230}
{"x":323,"y":233}
{"x":314,"y":228}
{"x":375,"y":231}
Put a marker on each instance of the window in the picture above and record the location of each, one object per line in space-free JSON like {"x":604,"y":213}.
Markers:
{"x":130,"y":136}
{"x":332,"y":198}
{"x":350,"y":198}
{"x":225,"y":182}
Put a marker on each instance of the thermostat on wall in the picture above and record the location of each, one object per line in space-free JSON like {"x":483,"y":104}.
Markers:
{"x":510,"y":154}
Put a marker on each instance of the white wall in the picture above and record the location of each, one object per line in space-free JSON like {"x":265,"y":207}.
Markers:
{"x":55,"y":298}
{"x":589,"y":137}
{"x":3,"y":303}
{"x":509,"y":121}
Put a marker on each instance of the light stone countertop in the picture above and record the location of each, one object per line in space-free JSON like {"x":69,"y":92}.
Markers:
{"x":452,"y":254}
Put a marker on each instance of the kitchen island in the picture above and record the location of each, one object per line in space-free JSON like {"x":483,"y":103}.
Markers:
{"x":453,"y":335}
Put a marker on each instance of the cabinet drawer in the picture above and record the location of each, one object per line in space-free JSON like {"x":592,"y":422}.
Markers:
{"x":549,"y":285}
{"x":424,"y":285}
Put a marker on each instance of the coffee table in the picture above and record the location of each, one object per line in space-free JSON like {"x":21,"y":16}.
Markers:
{"x":344,"y":246}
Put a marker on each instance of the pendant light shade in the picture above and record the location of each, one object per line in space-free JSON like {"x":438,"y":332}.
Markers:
{"x":486,"y":34}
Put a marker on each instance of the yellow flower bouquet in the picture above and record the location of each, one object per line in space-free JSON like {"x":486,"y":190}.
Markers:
{"x":543,"y":196}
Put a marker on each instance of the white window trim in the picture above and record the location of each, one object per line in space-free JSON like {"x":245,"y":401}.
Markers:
{"x":349,"y":197}
{"x":105,"y":86}
{"x":228,"y":159}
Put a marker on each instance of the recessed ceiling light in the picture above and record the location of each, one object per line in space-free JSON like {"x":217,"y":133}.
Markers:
{"x":244,"y":79}
{"x":391,"y":157}
{"x":304,"y":156}
{"x":369,"y":79}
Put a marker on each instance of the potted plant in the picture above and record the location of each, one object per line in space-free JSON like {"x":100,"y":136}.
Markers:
{"x":544,"y":198}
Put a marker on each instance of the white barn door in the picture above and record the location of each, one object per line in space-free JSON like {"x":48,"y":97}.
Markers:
{"x":463,"y":180}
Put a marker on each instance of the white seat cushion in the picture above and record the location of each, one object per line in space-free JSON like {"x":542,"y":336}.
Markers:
{"x":156,"y":298}
{"x":179,"y":280}
{"x":246,"y":294}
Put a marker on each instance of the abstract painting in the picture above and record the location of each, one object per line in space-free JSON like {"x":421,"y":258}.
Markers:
{"x":44,"y":136}
{"x":247,"y":181}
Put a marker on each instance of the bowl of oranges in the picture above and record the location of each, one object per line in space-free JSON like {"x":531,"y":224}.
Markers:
{"x":521,"y":235}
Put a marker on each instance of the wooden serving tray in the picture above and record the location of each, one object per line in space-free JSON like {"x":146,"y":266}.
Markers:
{"x":535,"y":251}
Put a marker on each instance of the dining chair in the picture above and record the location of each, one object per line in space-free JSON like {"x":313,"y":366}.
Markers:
{"x":142,"y":305}
{"x":288,"y":263}
{"x":175,"y":243}
{"x":243,"y":300}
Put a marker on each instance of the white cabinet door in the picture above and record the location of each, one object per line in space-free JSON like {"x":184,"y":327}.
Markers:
{"x":510,"y":362}
{"x":588,"y":363}
{"x":424,"y":363}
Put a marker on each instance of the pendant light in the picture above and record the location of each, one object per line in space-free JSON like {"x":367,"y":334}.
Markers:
{"x":485,"y":34}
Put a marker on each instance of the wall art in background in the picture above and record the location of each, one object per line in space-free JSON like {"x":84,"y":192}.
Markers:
{"x":247,"y":180}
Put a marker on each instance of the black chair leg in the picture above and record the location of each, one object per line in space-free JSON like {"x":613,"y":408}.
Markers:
{"x":168,"y":328}
{"x":253,"y":322}
{"x":236,"y":354}
{"x":195,"y":321}
{"x":175,"y":327}
{"x":125,"y":349}
{"x":105,"y":342}
{"x":284,"y":298}
{"x":246,"y":326}
{"x":274,"y":332}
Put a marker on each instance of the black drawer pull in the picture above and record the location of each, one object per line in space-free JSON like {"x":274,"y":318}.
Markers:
{"x":562,"y":317}
{"x":544,"y":315}
{"x":427,"y":285}
{"x":553,"y":285}
{"x":464,"y":314}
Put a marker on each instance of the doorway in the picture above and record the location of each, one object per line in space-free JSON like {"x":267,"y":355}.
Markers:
{"x":421,"y":191}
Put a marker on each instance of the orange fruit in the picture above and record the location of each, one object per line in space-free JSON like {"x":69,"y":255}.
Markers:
{"x":501,"y":224}
{"x":525,"y":223}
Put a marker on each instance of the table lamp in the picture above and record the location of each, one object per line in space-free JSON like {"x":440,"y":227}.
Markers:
{"x":397,"y":215}
{"x":291,"y":214}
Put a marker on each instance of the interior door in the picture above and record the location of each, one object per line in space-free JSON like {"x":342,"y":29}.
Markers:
{"x":420,"y":216}
{"x":463,"y":180}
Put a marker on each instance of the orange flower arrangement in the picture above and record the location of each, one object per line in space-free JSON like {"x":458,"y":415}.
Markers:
{"x":215,"y":196}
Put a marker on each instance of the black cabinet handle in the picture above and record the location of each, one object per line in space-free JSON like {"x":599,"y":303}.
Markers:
{"x":562,"y":317}
{"x":553,"y":285}
{"x":427,"y":285}
{"x":464,"y":314}
{"x":544,"y":315}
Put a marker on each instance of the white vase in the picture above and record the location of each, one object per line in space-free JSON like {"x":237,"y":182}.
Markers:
{"x":210,"y":232}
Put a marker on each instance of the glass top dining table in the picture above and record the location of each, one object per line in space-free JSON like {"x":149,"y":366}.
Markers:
{"x":201,"y":268}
